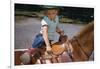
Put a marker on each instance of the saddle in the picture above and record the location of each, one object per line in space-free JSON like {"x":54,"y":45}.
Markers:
{"x":62,"y":45}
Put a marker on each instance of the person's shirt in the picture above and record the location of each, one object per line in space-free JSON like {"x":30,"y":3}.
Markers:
{"x":52,"y":24}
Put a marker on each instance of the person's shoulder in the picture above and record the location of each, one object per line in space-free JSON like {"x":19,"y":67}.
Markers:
{"x":43,"y":22}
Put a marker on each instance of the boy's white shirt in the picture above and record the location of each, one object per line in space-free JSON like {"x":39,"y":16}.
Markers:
{"x":43,"y":22}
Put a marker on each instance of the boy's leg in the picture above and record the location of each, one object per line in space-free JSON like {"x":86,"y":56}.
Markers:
{"x":38,"y":41}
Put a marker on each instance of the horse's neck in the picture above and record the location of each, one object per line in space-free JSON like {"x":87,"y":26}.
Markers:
{"x":85,"y":39}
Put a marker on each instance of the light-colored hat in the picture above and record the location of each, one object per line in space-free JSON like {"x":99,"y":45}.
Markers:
{"x":25,"y":58}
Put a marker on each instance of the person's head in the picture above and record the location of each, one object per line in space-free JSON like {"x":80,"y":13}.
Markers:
{"x":51,"y":13}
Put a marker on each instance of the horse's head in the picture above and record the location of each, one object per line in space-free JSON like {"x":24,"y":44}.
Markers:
{"x":63,"y":38}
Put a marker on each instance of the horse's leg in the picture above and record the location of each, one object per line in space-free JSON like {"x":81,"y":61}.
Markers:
{"x":45,"y":59}
{"x":55,"y":59}
{"x":60,"y":57}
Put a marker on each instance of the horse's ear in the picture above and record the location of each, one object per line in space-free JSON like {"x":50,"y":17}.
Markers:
{"x":66,"y":36}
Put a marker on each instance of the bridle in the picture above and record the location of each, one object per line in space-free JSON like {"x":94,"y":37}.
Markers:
{"x":75,"y":38}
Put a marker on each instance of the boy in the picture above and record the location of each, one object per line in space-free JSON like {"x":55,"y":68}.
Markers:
{"x":49,"y":27}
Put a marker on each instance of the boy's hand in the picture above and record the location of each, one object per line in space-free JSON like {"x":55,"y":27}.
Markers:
{"x":48,"y":49}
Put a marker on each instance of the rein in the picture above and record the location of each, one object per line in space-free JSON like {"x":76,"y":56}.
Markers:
{"x":80,"y":45}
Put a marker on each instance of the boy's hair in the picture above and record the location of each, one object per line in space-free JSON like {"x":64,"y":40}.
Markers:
{"x":46,"y":8}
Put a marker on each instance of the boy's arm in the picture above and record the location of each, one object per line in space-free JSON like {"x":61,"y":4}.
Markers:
{"x":45,"y":36}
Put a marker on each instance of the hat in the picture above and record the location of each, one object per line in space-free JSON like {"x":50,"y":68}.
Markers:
{"x":25,"y":58}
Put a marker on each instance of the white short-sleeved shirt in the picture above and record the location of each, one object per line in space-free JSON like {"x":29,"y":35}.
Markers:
{"x":51,"y":26}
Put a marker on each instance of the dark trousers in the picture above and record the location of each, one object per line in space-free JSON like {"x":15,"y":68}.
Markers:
{"x":38,"y":41}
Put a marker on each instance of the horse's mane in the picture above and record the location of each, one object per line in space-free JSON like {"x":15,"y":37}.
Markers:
{"x":88,"y":28}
